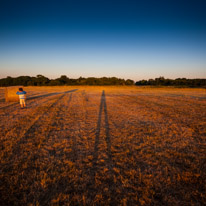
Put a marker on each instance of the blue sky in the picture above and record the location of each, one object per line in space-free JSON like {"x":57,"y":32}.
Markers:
{"x":126,"y":39}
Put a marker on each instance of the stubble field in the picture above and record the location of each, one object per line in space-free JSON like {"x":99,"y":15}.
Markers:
{"x":104,"y":146}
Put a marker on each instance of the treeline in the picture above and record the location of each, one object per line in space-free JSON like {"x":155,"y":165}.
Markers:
{"x":41,"y":80}
{"x":180,"y":82}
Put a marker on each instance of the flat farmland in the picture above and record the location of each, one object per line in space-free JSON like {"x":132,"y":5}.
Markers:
{"x":104,"y":146}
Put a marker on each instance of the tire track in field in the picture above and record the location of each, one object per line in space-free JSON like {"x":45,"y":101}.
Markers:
{"x":153,"y":148}
{"x":37,"y":96}
{"x":177,"y":99}
{"x":44,"y":164}
{"x":160,"y":139}
{"x":23,"y":164}
{"x":32,"y":128}
{"x":57,"y":128}
{"x":38,"y":122}
{"x":19,"y":115}
{"x":172,"y":119}
{"x":165,"y":110}
{"x":184,"y":118}
{"x":16,"y":124}
{"x":19,"y":132}
{"x":31,"y":100}
{"x":58,"y":154}
{"x":14,"y":115}
{"x":195,"y":106}
{"x":69,"y":124}
{"x":17,"y":111}
{"x":176,"y":114}
{"x":140,"y":120}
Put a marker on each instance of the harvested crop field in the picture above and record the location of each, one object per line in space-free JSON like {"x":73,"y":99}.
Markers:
{"x":104,"y":146}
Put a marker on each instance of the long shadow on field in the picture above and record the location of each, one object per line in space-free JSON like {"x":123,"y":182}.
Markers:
{"x":30,"y":133}
{"x":36,"y":97}
{"x":108,"y":180}
{"x":52,"y":94}
{"x":44,"y":196}
{"x":103,"y":108}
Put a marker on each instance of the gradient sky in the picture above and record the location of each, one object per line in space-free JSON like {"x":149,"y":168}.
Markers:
{"x":139,"y":39}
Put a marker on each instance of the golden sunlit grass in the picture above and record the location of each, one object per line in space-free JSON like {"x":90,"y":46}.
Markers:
{"x":104,"y":146}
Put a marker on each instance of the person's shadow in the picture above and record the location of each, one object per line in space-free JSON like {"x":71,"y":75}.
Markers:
{"x":103,"y":109}
{"x":109,"y":163}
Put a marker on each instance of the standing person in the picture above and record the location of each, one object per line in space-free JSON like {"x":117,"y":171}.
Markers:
{"x":22,"y":97}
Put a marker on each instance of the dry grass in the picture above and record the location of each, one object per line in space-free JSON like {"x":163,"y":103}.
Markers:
{"x":104,"y":146}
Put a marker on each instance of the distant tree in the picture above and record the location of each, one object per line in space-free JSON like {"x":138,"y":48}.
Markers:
{"x":54,"y":82}
{"x":91,"y":81}
{"x":81,"y":81}
{"x":129,"y":82}
{"x":41,"y":80}
{"x":9,"y":81}
{"x":151,"y":82}
{"x":179,"y":82}
{"x":63,"y":80}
